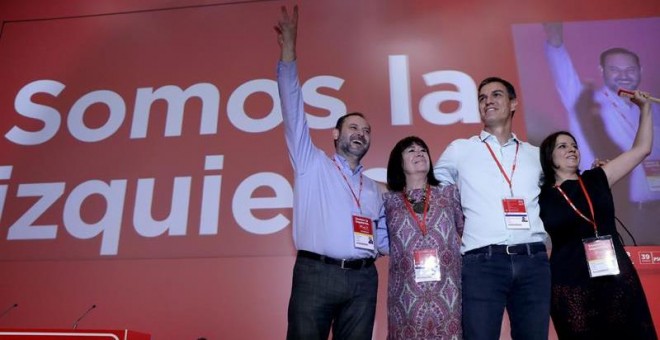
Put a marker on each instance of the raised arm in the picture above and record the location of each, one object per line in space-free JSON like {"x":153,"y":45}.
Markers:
{"x":642,"y":146}
{"x":287,"y":31}
{"x":296,"y":131}
{"x":567,"y":81}
{"x":554,"y":33}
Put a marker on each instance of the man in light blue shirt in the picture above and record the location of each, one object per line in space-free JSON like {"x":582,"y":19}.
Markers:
{"x":505,"y":263}
{"x":335,"y":210}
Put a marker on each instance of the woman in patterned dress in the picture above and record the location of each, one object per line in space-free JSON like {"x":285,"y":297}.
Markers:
{"x":424,"y":223}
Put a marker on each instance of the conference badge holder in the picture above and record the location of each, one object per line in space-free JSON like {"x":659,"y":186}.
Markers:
{"x":363,"y":233}
{"x":427,"y":265}
{"x":601,"y":257}
{"x":515,"y":213}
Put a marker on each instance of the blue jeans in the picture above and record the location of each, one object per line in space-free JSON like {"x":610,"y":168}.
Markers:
{"x":324,"y":294}
{"x":521,"y":283}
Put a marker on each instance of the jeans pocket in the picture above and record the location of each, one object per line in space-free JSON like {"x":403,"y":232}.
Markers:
{"x":475,"y":258}
{"x":541,"y":258}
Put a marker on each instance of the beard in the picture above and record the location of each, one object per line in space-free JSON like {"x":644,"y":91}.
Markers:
{"x":348,"y":146}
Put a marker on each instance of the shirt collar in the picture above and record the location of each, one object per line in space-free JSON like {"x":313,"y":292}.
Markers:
{"x":346,"y":167}
{"x":484,"y":136}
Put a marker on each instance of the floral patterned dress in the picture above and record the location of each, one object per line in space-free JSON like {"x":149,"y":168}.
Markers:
{"x":424,"y":310}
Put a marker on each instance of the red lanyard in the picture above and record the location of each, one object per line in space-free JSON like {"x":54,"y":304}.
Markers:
{"x":591,"y":207}
{"x":355,"y":197}
{"x":422,"y":223}
{"x":513,"y":167}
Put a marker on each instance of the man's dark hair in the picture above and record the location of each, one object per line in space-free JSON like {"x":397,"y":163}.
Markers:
{"x":396,"y":179}
{"x":618,"y":50}
{"x":340,"y":121}
{"x":509,"y":88}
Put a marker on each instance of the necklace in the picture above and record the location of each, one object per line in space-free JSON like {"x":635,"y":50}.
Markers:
{"x":417,"y":206}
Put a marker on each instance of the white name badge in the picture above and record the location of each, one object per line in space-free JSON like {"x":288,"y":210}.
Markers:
{"x":601,"y":256}
{"x":427,"y":265}
{"x":363,"y":233}
{"x":515,"y":213}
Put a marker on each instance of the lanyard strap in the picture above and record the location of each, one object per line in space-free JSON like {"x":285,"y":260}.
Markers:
{"x":422,"y":223}
{"x":355,"y":197}
{"x":513,"y":167}
{"x":591,"y":207}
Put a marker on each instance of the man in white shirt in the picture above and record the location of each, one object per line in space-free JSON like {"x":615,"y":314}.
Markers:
{"x":505,"y":263}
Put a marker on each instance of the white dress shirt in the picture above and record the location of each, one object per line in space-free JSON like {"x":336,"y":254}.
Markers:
{"x":468,"y":164}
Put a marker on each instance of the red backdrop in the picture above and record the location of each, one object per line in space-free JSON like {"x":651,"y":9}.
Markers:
{"x":143,"y":166}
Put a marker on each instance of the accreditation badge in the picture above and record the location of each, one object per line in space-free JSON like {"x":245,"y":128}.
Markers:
{"x":652,"y":172}
{"x":601,"y":256}
{"x":363,"y":233}
{"x":427,"y":265}
{"x":515,"y":213}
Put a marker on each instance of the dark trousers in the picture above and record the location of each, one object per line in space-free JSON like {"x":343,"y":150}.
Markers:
{"x":519,"y":283}
{"x":325,"y":294}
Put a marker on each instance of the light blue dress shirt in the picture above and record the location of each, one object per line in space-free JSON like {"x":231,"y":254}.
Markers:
{"x":323,"y":205}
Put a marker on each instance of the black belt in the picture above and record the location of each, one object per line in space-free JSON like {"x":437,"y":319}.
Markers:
{"x":514,"y":249}
{"x":344,"y":264}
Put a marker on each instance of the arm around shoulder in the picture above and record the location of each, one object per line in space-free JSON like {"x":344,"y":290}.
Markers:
{"x":445,"y":169}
